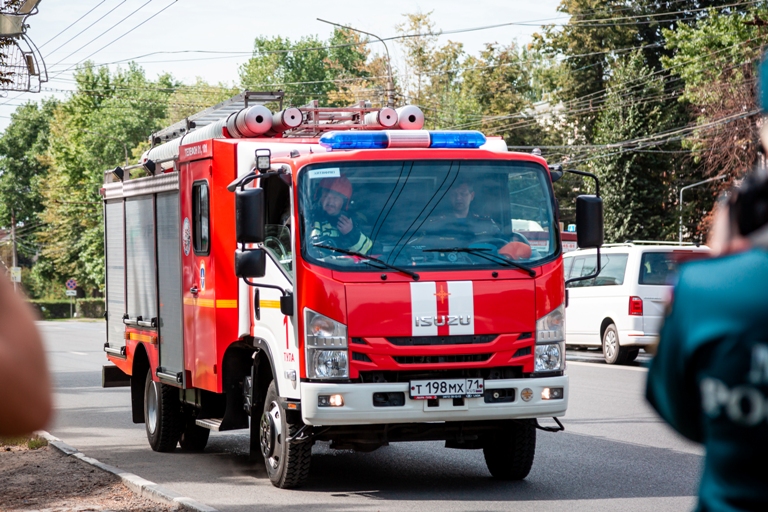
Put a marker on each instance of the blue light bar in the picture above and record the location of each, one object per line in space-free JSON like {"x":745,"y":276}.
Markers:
{"x":382,"y":139}
{"x":456,"y":139}
{"x":355,"y":140}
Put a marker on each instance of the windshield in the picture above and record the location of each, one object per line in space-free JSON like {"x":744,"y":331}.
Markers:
{"x":427,"y":214}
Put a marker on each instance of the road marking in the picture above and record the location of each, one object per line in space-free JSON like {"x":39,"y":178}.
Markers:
{"x":78,"y":353}
{"x":614,"y":367}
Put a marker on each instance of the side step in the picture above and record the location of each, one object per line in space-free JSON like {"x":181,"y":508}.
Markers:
{"x":210,"y":423}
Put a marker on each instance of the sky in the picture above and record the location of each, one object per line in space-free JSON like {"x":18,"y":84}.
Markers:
{"x":171,"y":35}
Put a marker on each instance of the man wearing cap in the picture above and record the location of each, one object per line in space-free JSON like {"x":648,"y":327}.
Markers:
{"x":330,"y":222}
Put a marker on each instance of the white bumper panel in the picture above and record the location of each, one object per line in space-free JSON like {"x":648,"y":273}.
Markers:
{"x":358,"y":406}
{"x":637,"y":339}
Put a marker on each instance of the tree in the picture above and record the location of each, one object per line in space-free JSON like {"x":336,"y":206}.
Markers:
{"x":635,"y":184}
{"x":308,"y":68}
{"x":88,"y":134}
{"x":716,"y":60}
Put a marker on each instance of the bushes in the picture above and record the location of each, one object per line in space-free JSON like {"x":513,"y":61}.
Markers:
{"x":83,"y":308}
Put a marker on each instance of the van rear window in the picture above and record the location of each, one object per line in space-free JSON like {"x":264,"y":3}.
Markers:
{"x":660,"y":268}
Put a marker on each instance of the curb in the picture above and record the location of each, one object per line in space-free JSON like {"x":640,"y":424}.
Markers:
{"x":139,"y":485}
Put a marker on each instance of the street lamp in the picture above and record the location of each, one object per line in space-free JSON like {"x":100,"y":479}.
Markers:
{"x":680,"y":233}
{"x":125,"y":147}
{"x":390,"y":84}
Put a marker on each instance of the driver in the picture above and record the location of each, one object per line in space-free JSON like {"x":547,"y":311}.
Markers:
{"x":328,"y":221}
{"x":460,"y":227}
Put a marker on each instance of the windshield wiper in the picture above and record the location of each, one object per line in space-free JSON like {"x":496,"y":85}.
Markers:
{"x":482,"y":252}
{"x":414,"y":275}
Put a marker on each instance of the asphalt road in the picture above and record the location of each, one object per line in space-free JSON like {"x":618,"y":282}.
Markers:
{"x":614,"y":455}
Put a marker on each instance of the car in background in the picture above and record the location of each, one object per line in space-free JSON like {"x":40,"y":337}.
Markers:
{"x":621,"y":310}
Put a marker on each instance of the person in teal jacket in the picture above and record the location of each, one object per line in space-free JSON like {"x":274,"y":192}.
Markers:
{"x":709,"y":378}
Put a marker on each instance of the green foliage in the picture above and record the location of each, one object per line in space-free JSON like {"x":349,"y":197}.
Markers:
{"x":50,"y":309}
{"x":307,"y":69}
{"x":109,"y":114}
{"x":635,"y":185}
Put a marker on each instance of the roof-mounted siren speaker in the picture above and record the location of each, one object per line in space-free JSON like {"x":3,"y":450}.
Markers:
{"x":410,"y":117}
{"x":384,"y":118}
{"x":287,"y":119}
{"x":250,"y":122}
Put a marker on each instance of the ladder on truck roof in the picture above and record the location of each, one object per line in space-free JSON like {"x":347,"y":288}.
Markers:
{"x":216,"y":113}
{"x":308,"y":120}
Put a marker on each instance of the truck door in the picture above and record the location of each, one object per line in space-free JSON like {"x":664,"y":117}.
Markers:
{"x":169,"y":277}
{"x":198,"y":273}
{"x":114,"y":244}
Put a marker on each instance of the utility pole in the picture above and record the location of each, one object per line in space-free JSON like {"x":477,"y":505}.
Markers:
{"x":680,"y":204}
{"x":390,"y":83}
{"x":13,"y":243}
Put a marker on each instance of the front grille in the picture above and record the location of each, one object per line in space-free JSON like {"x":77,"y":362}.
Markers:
{"x":525,"y":351}
{"x":358,"y":356}
{"x":409,"y":341}
{"x":463,"y":358}
{"x":501,"y":372}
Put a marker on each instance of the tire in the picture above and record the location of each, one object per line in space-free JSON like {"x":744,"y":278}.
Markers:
{"x":632,"y":355}
{"x":509,"y":452}
{"x":613,"y":352}
{"x":193,"y":438}
{"x":287,"y":464}
{"x":163,"y":417}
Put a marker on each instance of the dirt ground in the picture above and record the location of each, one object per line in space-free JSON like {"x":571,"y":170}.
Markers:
{"x":46,"y":480}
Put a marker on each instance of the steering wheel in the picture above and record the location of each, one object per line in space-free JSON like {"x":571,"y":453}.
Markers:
{"x":323,"y":240}
{"x":274,"y":243}
{"x":498,"y":243}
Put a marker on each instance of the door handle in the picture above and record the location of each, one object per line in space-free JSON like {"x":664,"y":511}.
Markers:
{"x":193,"y":290}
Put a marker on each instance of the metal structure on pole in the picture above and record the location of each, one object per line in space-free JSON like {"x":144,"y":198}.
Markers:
{"x":680,"y":204}
{"x":21,"y":66}
{"x":390,"y":83}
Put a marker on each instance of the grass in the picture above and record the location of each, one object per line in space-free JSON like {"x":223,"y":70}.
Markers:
{"x":33,"y":442}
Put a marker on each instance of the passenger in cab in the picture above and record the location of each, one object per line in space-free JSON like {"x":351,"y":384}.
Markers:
{"x":330,"y":222}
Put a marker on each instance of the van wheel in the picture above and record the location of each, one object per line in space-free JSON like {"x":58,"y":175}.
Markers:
{"x":163,"y":417}
{"x":287,"y":463}
{"x":509,"y":452}
{"x":613,"y":352}
{"x":632,"y":355}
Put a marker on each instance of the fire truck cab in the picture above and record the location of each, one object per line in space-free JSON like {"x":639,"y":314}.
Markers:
{"x":335,"y":274}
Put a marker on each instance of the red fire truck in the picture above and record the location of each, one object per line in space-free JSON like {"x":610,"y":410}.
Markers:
{"x":339,"y":275}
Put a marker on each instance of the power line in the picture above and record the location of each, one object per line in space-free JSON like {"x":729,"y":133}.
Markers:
{"x":89,"y":11}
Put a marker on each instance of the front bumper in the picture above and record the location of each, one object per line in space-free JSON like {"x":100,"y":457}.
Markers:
{"x":358,"y":406}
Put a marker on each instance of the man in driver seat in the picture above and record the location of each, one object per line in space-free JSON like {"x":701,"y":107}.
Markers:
{"x":460,"y":226}
{"x":328,"y":221}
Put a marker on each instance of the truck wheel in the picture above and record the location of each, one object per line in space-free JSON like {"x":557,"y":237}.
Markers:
{"x":287,"y":464}
{"x":162,"y":415}
{"x":193,"y":437}
{"x":509,"y":452}
{"x":613,"y":352}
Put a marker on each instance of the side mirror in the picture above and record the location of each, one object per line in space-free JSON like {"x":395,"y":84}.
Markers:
{"x":249,"y":215}
{"x":286,"y":304}
{"x":589,"y":221}
{"x":250,"y":263}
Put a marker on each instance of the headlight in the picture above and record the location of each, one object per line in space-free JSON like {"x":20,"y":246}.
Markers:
{"x":326,"y":346}
{"x":551,"y":327}
{"x":549,"y":357}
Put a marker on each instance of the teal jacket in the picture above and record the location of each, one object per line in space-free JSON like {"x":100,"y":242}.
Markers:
{"x":709,"y":378}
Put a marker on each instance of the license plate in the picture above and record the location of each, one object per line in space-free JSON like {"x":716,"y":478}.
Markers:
{"x":446,"y":388}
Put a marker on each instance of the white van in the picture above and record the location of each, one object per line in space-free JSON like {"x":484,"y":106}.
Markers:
{"x":621,"y":309}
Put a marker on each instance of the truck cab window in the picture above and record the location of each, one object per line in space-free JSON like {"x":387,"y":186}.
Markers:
{"x":201,"y":218}
{"x":277,"y":239}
